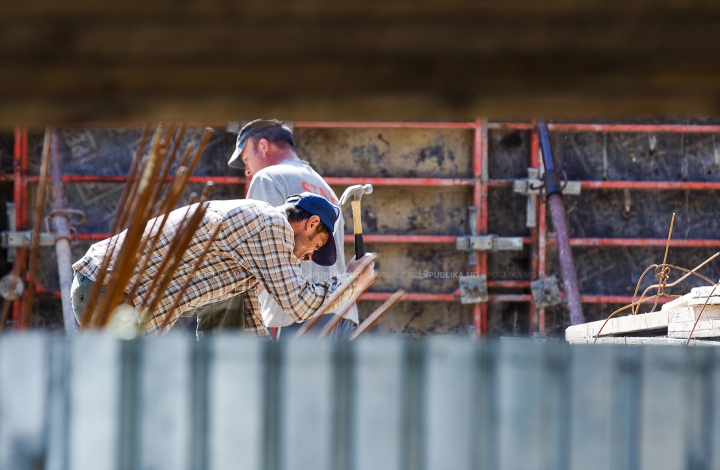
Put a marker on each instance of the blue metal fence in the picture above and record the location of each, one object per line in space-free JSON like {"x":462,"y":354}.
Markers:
{"x":99,"y":403}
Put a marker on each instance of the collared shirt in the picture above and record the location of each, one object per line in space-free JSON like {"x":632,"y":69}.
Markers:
{"x":254,"y":245}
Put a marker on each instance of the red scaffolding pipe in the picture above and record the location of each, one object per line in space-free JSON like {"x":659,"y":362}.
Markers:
{"x":638,"y":128}
{"x":480,"y":184}
{"x":382,"y":125}
{"x":696,"y":243}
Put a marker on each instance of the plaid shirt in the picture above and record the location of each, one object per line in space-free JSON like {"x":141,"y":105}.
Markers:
{"x":254,"y":245}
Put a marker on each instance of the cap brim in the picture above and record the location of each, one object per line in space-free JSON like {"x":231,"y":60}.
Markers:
{"x":236,"y":160}
{"x":327,"y":255}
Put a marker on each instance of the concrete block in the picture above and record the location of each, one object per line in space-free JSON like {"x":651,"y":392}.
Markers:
{"x":619,"y":325}
{"x":704,"y":329}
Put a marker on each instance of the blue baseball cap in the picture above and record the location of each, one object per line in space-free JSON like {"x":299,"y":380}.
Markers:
{"x":252,"y":127}
{"x":328,"y":213}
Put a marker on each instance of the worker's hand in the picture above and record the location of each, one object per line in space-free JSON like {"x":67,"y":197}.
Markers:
{"x":367,"y":277}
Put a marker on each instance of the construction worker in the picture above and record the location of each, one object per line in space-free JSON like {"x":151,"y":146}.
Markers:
{"x":256,"y":244}
{"x":265,"y":149}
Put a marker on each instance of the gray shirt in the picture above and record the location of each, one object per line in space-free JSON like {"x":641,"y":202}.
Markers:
{"x":273,"y":185}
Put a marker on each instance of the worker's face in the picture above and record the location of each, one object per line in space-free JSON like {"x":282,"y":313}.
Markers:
{"x":307,"y":240}
{"x":253,"y":155}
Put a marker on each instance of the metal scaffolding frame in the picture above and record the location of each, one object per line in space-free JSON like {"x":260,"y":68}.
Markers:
{"x":480,"y":184}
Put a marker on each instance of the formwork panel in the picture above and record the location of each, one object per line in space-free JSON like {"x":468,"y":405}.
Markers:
{"x":109,"y":151}
{"x":420,"y":319}
{"x":637,"y":156}
{"x":100,"y":201}
{"x":509,"y":152}
{"x":510,"y":265}
{"x":508,"y":318}
{"x":416,"y":267}
{"x":615,"y":270}
{"x":507,"y":213}
{"x":412,"y":210}
{"x":387,"y":152}
{"x":642,"y":214}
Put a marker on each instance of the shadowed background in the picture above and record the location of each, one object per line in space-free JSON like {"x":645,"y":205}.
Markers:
{"x":82,"y":60}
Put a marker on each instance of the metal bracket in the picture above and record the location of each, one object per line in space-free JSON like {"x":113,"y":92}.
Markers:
{"x":12,"y":240}
{"x":11,"y":287}
{"x":475,"y":243}
{"x":532,"y":188}
{"x":12,"y":226}
{"x":546,"y":292}
{"x":473,"y":289}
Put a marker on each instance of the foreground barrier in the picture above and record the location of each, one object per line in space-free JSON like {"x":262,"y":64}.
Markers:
{"x":444,"y":404}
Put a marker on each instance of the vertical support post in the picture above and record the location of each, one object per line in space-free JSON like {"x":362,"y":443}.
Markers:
{"x":557,"y":212}
{"x":20,"y":197}
{"x":541,"y":244}
{"x":480,"y":151}
{"x":534,"y":250}
{"x":61,"y":230}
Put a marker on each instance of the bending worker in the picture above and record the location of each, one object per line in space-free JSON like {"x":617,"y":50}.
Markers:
{"x":256,"y":244}
{"x":265,"y":148}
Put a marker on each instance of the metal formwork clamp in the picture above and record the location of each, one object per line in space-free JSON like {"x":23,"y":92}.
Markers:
{"x":532,"y":187}
{"x":474,"y":242}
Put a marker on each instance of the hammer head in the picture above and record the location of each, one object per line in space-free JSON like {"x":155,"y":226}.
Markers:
{"x":355,"y":192}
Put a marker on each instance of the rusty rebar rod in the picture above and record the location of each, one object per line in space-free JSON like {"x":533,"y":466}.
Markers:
{"x":128,"y":195}
{"x":125,"y":262}
{"x":311,"y":322}
{"x":37,"y":227}
{"x":190,"y":278}
{"x":375,"y":316}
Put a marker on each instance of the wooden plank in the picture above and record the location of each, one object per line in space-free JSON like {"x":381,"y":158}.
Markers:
{"x":591,"y":398}
{"x":235,"y":426}
{"x":95,"y":402}
{"x":449,"y":381}
{"x":23,"y":376}
{"x":307,"y":405}
{"x":663,"y":409}
{"x":519,"y":388}
{"x":164,"y":411}
{"x":378,"y":401}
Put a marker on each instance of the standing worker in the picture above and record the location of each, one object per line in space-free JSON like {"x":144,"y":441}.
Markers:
{"x":265,"y":149}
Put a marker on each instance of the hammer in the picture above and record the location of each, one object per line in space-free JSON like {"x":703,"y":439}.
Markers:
{"x":356,"y":192}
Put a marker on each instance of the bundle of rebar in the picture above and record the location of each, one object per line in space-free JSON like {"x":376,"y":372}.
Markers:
{"x":145,"y":205}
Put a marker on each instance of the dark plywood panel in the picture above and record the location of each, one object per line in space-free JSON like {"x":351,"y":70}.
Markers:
{"x":387,"y":152}
{"x":638,"y":157}
{"x":616,"y":270}
{"x":420,"y":319}
{"x":412,"y":210}
{"x":643,"y":214}
{"x":100,"y":201}
{"x":416,"y":267}
{"x":508,"y":319}
{"x":109,"y":151}
{"x":507,"y":212}
{"x":510,"y":154}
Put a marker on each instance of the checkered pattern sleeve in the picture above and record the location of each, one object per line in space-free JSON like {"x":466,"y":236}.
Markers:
{"x":270,"y":257}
